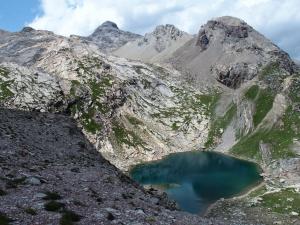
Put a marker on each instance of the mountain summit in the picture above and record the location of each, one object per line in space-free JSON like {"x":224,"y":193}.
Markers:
{"x":109,"y":37}
{"x":108,"y":24}
{"x":227,"y":49}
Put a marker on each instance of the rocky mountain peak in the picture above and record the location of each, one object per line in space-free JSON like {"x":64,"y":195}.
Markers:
{"x":108,"y":36}
{"x":163,"y":36}
{"x":108,"y":24}
{"x":231,"y":51}
{"x":223,"y":28}
{"x":27,"y":29}
{"x":229,"y":21}
{"x":167,"y":30}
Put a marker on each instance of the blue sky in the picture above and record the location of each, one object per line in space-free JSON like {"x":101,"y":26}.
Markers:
{"x":14,"y":14}
{"x":278,"y":20}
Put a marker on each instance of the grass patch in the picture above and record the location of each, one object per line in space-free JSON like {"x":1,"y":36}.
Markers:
{"x":4,"y":219}
{"x":98,"y":88}
{"x":87,"y":65}
{"x":219,"y":124}
{"x":52,"y":196}
{"x":102,"y":107}
{"x":252,"y":92}
{"x":30,"y":211}
{"x":5,"y":92}
{"x":124,"y":136}
{"x":2,"y":192}
{"x":53,"y":206}
{"x":248,"y":146}
{"x":263,"y":104}
{"x":280,"y":138}
{"x":209,"y":101}
{"x":14,"y":183}
{"x":133,"y":120}
{"x":284,"y":201}
{"x":258,"y":192}
{"x":69,"y":218}
{"x":4,"y":72}
{"x":175,"y":126}
{"x":89,"y":123}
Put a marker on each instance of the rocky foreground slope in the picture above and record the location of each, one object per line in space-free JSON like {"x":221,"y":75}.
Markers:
{"x":244,"y":101}
{"x":51,"y":174}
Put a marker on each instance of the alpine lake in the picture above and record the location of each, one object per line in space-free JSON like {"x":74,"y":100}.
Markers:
{"x":197,"y":179}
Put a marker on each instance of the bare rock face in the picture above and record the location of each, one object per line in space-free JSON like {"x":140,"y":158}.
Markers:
{"x":202,"y":40}
{"x":229,"y":51}
{"x":109,"y":37}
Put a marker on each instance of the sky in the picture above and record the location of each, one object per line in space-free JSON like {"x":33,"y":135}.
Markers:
{"x":279,"y":20}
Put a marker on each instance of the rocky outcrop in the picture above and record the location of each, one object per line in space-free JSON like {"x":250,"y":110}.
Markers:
{"x":109,"y":37}
{"x":233,"y":75}
{"x":202,"y":40}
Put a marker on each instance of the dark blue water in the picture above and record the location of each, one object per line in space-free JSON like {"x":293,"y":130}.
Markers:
{"x":197,"y":179}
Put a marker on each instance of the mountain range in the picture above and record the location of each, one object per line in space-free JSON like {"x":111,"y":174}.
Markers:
{"x":135,"y":99}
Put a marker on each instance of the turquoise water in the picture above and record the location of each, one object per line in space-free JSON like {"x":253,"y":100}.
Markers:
{"x":197,"y":179}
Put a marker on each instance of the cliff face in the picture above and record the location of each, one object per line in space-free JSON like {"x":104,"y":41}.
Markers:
{"x":228,"y":89}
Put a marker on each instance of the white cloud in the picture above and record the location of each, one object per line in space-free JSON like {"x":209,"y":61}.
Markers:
{"x":279,"y":20}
